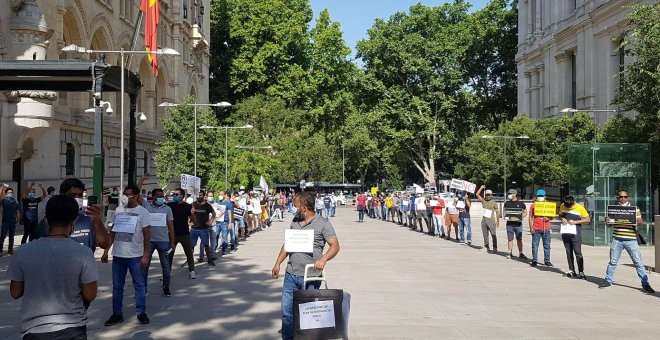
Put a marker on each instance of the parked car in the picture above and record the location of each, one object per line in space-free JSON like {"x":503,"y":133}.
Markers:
{"x":340,"y":199}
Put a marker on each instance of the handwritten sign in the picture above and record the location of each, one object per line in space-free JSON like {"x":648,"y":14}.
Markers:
{"x":298,"y":241}
{"x":317,"y":314}
{"x":157,"y":219}
{"x":125,"y":224}
{"x":191,"y":183}
{"x":462,"y":185}
{"x":546,"y":209}
{"x":621,"y":215}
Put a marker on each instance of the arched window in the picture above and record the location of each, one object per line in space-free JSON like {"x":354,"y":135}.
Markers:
{"x":145,"y":162}
{"x":70,"y":160}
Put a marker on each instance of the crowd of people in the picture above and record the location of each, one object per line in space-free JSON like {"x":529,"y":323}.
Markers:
{"x":440,"y":216}
{"x":135,"y":224}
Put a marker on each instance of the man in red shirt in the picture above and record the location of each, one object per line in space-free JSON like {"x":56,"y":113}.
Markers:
{"x":361,"y":206}
{"x":539,"y":226}
{"x":437,"y":206}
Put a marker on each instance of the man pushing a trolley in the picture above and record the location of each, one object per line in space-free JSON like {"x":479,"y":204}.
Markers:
{"x":304,"y":243}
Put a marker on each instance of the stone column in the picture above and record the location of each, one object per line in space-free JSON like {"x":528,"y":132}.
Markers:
{"x":563,"y":81}
{"x":541,"y":91}
{"x":528,"y":93}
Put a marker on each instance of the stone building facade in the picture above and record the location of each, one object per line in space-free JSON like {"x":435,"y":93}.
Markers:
{"x":568,"y":55}
{"x":47,"y":136}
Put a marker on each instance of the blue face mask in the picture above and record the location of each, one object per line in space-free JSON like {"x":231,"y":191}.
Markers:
{"x":160,"y":201}
{"x":298,"y":216}
{"x":10,"y":196}
{"x":31,"y":195}
{"x":211,"y":199}
{"x":177,"y":198}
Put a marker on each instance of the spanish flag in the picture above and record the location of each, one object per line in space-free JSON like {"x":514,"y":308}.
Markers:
{"x":151,"y":11}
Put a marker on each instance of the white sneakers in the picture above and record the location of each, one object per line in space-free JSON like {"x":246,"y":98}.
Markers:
{"x":192,"y":275}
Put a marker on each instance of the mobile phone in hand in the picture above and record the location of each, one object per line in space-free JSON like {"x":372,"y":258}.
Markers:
{"x":92,"y":200}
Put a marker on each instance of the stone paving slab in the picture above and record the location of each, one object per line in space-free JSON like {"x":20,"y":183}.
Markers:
{"x":404,"y":285}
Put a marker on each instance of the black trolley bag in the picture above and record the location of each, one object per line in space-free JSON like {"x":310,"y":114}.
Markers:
{"x":319,"y":309}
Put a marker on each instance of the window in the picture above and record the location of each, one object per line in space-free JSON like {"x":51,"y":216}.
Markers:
{"x":145,"y":162}
{"x":573,"y":81}
{"x":70,"y":160}
{"x":125,"y":162}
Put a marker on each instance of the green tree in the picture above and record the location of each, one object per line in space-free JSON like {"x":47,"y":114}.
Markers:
{"x":175,"y":153}
{"x":490,"y":62}
{"x":414,"y":81}
{"x":259,"y":47}
{"x":541,"y":159}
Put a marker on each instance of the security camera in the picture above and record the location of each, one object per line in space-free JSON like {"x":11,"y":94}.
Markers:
{"x":109,"y":111}
{"x":142,"y":117}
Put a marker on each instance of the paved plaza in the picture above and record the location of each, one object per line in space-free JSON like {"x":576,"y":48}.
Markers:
{"x":404,"y":285}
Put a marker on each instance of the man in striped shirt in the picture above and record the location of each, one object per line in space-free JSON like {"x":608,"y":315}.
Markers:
{"x":625,"y":237}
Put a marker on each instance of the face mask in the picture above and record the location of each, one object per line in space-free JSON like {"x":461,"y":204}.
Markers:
{"x":488,"y":198}
{"x":221,"y":198}
{"x":299,"y":215}
{"x":80,"y":202}
{"x":160,"y":200}
{"x":509,"y":197}
{"x":540,"y":199}
{"x":115,"y":192}
{"x":210,"y":199}
{"x":177,"y":198}
{"x":31,"y":195}
{"x":10,"y":196}
{"x":124,"y":200}
{"x":200,"y":199}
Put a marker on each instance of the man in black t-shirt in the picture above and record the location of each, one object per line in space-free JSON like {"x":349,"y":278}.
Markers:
{"x":201,"y":224}
{"x":514,"y":213}
{"x":31,"y":212}
{"x":182,"y":213}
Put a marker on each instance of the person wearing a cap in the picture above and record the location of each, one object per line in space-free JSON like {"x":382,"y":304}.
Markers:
{"x":491,"y":218}
{"x":514,"y":226}
{"x":539,"y":226}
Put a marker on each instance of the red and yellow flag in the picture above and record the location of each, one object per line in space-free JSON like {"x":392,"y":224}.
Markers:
{"x":151,"y":11}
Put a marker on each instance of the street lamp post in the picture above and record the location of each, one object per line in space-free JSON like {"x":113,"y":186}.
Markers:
{"x":195,"y":105}
{"x":98,"y":134}
{"x":505,"y":138}
{"x":246,"y":126}
{"x":596,"y":125}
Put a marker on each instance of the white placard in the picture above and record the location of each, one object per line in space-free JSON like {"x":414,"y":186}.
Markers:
{"x":157,"y":219}
{"x":433,"y":203}
{"x":317,"y":314}
{"x":125,"y":224}
{"x":460,"y":184}
{"x":298,"y":241}
{"x":488,"y":213}
{"x":460,"y":205}
{"x":568,"y":229}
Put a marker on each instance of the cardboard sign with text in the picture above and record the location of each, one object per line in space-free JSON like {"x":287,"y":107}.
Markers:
{"x":621,"y":215}
{"x":462,"y":185}
{"x":545,"y":209}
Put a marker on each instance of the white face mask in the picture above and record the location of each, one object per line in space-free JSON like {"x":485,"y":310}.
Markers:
{"x":509,"y":197}
{"x":540,"y":199}
{"x":80,"y":202}
{"x":124,"y":200}
{"x":221,"y":198}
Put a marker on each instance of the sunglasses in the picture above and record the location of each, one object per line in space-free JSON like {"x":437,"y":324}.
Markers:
{"x":623,"y":196}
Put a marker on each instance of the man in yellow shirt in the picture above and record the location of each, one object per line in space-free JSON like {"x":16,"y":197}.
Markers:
{"x":389,"y":203}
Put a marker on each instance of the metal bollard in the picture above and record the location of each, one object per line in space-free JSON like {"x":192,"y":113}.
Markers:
{"x":656,"y":243}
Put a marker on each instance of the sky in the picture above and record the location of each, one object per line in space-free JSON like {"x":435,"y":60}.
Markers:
{"x":356,"y":16}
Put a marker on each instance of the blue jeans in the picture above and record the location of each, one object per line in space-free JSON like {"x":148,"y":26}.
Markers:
{"x":383,"y":211}
{"x":7,"y":229}
{"x":462,"y":223}
{"x":333,"y":210}
{"x":120,"y":265}
{"x":291,"y":284}
{"x":204,"y":237}
{"x":361,"y":213}
{"x":161,"y":247}
{"x":222,"y":228}
{"x":536,"y":237}
{"x":616,"y":248}
{"x":326,"y":212}
{"x":213,"y":243}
